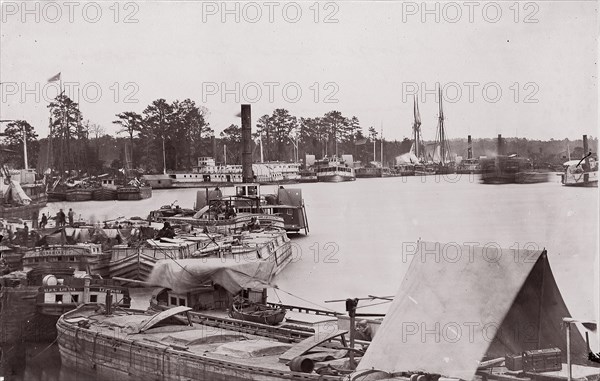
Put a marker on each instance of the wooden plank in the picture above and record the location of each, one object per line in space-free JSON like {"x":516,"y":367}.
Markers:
{"x":309,"y":343}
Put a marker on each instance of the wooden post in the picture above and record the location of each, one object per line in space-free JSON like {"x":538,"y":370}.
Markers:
{"x":568,"y":332}
{"x":351,"y":308}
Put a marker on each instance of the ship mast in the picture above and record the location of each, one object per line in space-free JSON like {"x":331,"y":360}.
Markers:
{"x":441,"y":134}
{"x":441,"y":130}
{"x":416,"y":128}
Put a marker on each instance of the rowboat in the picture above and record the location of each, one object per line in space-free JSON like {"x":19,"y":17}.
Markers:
{"x":257,"y":313}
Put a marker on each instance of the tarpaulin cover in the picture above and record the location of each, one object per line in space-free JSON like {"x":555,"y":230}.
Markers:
{"x":459,"y":304}
{"x":233,"y":275}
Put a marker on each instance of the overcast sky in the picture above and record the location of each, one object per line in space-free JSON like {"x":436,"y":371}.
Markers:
{"x":361,"y":58}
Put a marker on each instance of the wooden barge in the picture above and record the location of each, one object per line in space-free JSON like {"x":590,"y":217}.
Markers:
{"x":79,"y":194}
{"x":132,"y":192}
{"x":135,"y":345}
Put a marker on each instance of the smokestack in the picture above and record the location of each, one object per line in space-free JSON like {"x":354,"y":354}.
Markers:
{"x":469,"y":148}
{"x":585,"y":154}
{"x":247,"y":175}
{"x":500,"y":148}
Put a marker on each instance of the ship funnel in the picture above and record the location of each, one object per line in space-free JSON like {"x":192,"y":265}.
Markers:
{"x":247,"y":175}
{"x":586,"y":151}
{"x":469,"y":148}
{"x":500,"y":145}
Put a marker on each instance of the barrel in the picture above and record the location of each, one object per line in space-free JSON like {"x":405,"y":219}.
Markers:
{"x":302,"y":364}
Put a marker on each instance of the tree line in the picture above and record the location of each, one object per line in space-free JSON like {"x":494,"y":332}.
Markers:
{"x":174,"y":134}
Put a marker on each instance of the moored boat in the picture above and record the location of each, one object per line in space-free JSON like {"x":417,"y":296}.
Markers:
{"x":581,"y":173}
{"x":308,"y":176}
{"x":334,"y":170}
{"x":510,"y":169}
{"x":79,"y":194}
{"x":132,"y":344}
{"x":134,"y":192}
{"x":107,"y":190}
{"x":404,"y":169}
{"x":32,"y":300}
{"x":283,"y":209}
{"x":469,"y":166}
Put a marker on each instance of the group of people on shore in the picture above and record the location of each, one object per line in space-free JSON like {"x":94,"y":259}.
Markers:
{"x":61,"y":219}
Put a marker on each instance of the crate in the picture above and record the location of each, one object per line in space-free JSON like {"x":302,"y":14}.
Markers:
{"x":513,"y":362}
{"x":542,"y":360}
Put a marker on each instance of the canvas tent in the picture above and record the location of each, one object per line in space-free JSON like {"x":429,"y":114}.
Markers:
{"x":460,"y":304}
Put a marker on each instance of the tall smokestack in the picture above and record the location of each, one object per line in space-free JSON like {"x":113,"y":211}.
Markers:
{"x":247,"y":175}
{"x":586,"y":150}
{"x":469,"y":148}
{"x":500,"y":147}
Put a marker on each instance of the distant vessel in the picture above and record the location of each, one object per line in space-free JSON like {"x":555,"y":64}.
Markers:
{"x":581,"y":173}
{"x":107,"y":190}
{"x":469,"y":165}
{"x":334,"y":170}
{"x":510,"y":169}
{"x":404,"y":169}
{"x":308,"y":176}
{"x":208,"y":173}
{"x":504,"y":169}
{"x":78,"y":194}
{"x":373,"y":170}
{"x":134,"y":192}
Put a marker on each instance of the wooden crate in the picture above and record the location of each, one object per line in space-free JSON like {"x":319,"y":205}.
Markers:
{"x":514,"y":362}
{"x":542,"y":360}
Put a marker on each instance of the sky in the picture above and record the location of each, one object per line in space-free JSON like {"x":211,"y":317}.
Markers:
{"x":525,"y":69}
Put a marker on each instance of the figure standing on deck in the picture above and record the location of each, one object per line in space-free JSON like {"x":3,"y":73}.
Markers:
{"x":61,"y":218}
{"x":44,"y":221}
{"x":71,"y":215}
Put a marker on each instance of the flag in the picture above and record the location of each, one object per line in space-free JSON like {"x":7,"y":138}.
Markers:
{"x":55,"y":78}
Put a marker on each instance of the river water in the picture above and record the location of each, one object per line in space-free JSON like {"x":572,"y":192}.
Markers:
{"x":358,"y":231}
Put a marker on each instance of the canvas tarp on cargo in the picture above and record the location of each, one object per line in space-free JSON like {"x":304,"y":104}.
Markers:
{"x":233,"y":275}
{"x":459,"y":304}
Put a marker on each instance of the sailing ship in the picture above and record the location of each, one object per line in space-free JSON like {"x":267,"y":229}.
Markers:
{"x":581,"y":173}
{"x":414,"y":162}
{"x":443,"y":163}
